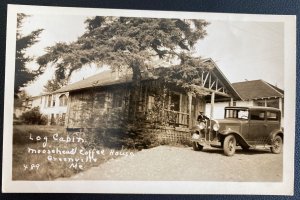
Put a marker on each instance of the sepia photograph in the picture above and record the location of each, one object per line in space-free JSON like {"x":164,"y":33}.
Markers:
{"x":148,"y":102}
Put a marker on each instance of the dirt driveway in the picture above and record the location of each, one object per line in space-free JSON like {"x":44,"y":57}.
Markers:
{"x":182,"y":163}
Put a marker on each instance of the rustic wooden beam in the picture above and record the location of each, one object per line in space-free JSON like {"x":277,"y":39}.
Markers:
{"x":205,"y":79}
{"x":212,"y":105}
{"x":212,"y":85}
{"x":265,"y":102}
{"x":209,"y":82}
{"x":221,"y":88}
{"x":190,"y":98}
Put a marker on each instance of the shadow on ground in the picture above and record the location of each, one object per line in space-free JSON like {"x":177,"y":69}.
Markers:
{"x":238,"y":151}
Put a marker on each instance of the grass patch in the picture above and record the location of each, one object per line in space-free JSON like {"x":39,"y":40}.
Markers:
{"x":21,"y":133}
{"x":49,"y":169}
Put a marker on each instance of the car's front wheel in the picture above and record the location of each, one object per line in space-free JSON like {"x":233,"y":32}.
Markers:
{"x":197,"y":147}
{"x":277,"y":145}
{"x":229,"y":145}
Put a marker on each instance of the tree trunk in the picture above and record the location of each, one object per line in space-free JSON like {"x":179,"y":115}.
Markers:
{"x":134,"y":93}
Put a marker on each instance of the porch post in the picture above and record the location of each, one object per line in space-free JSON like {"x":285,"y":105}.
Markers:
{"x":212,"y":105}
{"x":265,"y":102}
{"x":190,"y":110}
{"x":231,"y":101}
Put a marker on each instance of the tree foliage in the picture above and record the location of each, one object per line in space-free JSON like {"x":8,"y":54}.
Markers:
{"x":186,"y":75}
{"x":54,"y":84}
{"x":22,"y":96}
{"x":23,"y":42}
{"x":127,"y":42}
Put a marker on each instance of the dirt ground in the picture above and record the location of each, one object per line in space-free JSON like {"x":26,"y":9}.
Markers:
{"x":166,"y":163}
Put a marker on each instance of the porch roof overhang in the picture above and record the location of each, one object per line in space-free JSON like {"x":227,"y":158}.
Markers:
{"x":214,"y":81}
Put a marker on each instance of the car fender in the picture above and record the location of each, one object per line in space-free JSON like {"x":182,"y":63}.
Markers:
{"x":274,"y":133}
{"x":240,"y":139}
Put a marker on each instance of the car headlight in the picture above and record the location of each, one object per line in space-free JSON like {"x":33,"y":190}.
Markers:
{"x":216,"y":126}
{"x":202,"y":125}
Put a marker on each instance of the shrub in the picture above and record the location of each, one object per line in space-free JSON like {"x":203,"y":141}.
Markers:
{"x":34,"y":116}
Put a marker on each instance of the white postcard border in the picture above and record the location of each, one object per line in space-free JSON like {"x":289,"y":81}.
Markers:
{"x":285,"y":187}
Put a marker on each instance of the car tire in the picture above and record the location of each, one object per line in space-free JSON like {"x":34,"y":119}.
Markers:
{"x":277,"y":144}
{"x":197,"y":147}
{"x":229,"y":145}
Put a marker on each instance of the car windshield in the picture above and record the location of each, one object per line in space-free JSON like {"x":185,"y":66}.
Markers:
{"x":235,"y":113}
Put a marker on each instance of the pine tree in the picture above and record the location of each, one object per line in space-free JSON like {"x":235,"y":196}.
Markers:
{"x":126,"y":42}
{"x":22,"y":75}
{"x":54,"y":84}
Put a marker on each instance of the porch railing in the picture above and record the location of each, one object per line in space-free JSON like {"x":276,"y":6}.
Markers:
{"x":176,"y":118}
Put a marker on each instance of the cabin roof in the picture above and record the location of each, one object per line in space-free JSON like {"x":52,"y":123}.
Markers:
{"x":104,"y":78}
{"x":107,"y":78}
{"x":257,"y":89}
{"x":224,"y":80}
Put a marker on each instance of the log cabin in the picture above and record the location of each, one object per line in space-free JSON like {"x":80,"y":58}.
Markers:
{"x":102,"y":101}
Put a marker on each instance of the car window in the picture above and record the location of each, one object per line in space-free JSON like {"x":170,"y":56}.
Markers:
{"x":257,"y":115}
{"x":243,"y":114}
{"x":234,"y":113}
{"x":272,"y":116}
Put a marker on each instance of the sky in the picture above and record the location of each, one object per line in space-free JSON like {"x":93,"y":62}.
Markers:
{"x":242,"y":50}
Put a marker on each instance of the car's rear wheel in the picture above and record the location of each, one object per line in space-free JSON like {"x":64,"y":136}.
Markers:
{"x":197,"y":147}
{"x":277,"y":145}
{"x":229,"y":145}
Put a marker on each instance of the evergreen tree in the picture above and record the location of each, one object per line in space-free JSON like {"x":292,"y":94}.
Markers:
{"x":23,"y":42}
{"x":54,"y":84}
{"x":127,"y":42}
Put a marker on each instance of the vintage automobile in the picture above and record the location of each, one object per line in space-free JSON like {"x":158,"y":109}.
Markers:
{"x":248,"y":127}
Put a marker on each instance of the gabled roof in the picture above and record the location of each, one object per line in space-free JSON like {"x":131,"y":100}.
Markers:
{"x":224,"y":80}
{"x":257,"y":89}
{"x":107,"y":78}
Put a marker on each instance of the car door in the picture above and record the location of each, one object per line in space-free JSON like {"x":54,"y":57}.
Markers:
{"x":273,"y":121}
{"x":257,"y":127}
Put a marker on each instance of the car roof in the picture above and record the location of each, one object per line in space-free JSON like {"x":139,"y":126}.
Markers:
{"x":252,"y":108}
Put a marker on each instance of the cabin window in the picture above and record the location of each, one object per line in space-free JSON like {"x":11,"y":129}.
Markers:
{"x":150,"y":102}
{"x":259,"y":103}
{"x":117,"y":100}
{"x":100,"y":98}
{"x":273,"y":103}
{"x":267,"y":102}
{"x":63,"y":100}
{"x":53,"y":102}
